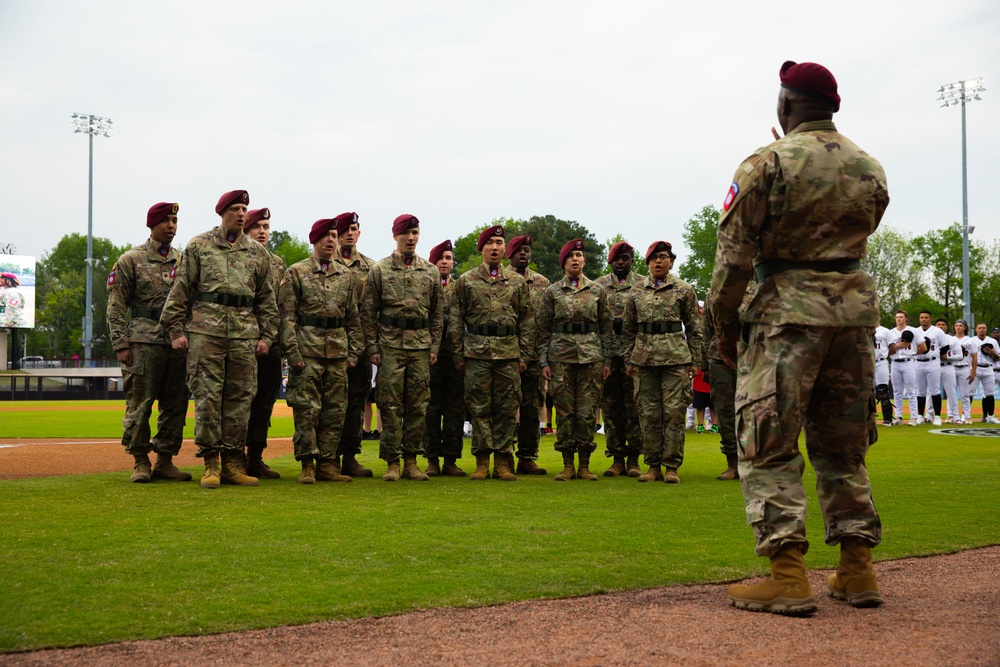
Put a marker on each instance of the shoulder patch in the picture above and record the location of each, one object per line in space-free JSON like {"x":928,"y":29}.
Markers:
{"x":111,"y":276}
{"x":734,"y":190}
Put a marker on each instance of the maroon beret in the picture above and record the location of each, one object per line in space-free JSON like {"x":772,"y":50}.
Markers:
{"x":812,"y":80}
{"x":320,"y":228}
{"x":158,"y":213}
{"x":11,"y":277}
{"x":438,"y":250}
{"x":404,"y":222}
{"x":575,"y":244}
{"x":230,"y":198}
{"x":344,"y":222}
{"x":617,"y":249}
{"x":488,"y":233}
{"x":660,"y":246}
{"x":255,"y":216}
{"x":515,"y":243}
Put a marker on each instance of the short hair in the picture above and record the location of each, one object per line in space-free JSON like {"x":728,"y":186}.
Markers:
{"x":925,"y":311}
{"x":940,"y":319}
{"x":900,"y":310}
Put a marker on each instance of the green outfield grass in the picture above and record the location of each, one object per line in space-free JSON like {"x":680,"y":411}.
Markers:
{"x":90,"y":559}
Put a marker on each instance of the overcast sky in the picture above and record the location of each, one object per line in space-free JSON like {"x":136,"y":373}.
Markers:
{"x":625,"y":116}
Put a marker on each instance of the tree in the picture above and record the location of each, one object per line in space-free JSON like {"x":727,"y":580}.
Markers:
{"x":292,"y":249}
{"x":888,"y":261}
{"x":985,"y":295}
{"x":701,"y":236}
{"x":938,"y":254}
{"x":277,"y":238}
{"x":638,"y":263}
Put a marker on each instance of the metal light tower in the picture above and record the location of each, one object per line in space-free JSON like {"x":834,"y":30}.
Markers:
{"x":951,"y":94}
{"x":91,"y":125}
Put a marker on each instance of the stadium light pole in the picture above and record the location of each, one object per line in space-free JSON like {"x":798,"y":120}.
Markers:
{"x":953,"y":94}
{"x":91,"y":125}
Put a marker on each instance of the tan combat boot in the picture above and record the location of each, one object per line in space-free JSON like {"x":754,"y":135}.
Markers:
{"x":165,"y":469}
{"x":433,"y":466}
{"x":410,"y":469}
{"x":568,"y":472}
{"x":232,"y":469}
{"x":502,"y":467}
{"x":854,"y":580}
{"x":327,"y":470}
{"x":584,"y":471}
{"x":632,"y":465}
{"x":617,"y":468}
{"x":141,"y":471}
{"x":670,"y":476}
{"x":211,"y":478}
{"x":392,"y":472}
{"x":529,"y":467}
{"x":451,"y":469}
{"x":256,"y":465}
{"x":732,"y":470}
{"x":308,"y":474}
{"x":654,"y":474}
{"x":352,"y":468}
{"x":786,"y":591}
{"x":482,"y":467}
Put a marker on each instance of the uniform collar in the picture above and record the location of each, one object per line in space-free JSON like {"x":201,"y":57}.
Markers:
{"x":813,"y":126}
{"x":484,"y":271}
{"x":223,"y":242}
{"x":153,"y":249}
{"x":317,"y":265}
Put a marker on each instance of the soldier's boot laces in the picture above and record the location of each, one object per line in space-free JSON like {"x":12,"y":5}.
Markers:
{"x":854,"y":580}
{"x":391,"y":472}
{"x":482,"y":467}
{"x":670,"y":476}
{"x":308,"y":474}
{"x":411,"y":470}
{"x":233,"y":465}
{"x":352,"y":468}
{"x":433,"y":466}
{"x":617,"y":468}
{"x":451,"y":469}
{"x":165,"y":469}
{"x":212,"y":477}
{"x":584,"y":471}
{"x":654,"y":474}
{"x":786,"y":591}
{"x":732,"y":470}
{"x":256,"y":465}
{"x":502,"y":467}
{"x":141,"y":471}
{"x":529,"y":467}
{"x":632,"y":465}
{"x":328,"y":470}
{"x":568,"y":471}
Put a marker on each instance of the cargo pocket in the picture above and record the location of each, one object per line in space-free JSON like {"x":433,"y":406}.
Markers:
{"x":755,"y":511}
{"x":758,"y":423}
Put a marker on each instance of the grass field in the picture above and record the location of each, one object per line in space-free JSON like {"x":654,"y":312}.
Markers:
{"x":90,"y":559}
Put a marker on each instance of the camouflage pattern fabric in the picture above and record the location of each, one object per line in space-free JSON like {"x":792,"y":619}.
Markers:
{"x":492,"y":395}
{"x":662,"y":395}
{"x":446,"y":409}
{"x":722,"y":383}
{"x":672,"y":301}
{"x":532,"y":396}
{"x":618,"y":290}
{"x":317,"y":395}
{"x":359,"y":378}
{"x":585,"y":304}
{"x":141,"y":278}
{"x":622,"y":432}
{"x":222,"y":377}
{"x":402,"y":391}
{"x":576,"y":393}
{"x":399,"y":290}
{"x":12,"y":308}
{"x":268,"y":376}
{"x":157,"y":374}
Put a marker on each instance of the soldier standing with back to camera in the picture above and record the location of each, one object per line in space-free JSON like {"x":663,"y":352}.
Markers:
{"x":221,"y":309}
{"x":799,"y":213}
{"x":152,"y":371}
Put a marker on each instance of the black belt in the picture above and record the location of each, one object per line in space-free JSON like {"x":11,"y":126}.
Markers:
{"x":404,"y":322}
{"x":619,"y":325}
{"x":770,"y":267}
{"x":899,"y":361}
{"x":923,"y":360}
{"x":575,"y":327}
{"x":146,"y":313}
{"x":985,"y":365}
{"x":660,"y":327}
{"x":223,"y":299}
{"x":322,"y":322}
{"x":492,"y":330}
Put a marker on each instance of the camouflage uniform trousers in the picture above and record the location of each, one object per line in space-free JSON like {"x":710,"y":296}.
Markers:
{"x":662,"y":395}
{"x":318,"y":394}
{"x":402,"y":390}
{"x":722,"y":381}
{"x":531,"y":401}
{"x":621,"y":417}
{"x":157,"y":374}
{"x":359,"y":386}
{"x":268,"y":385}
{"x":821,"y":376}
{"x":222,"y":376}
{"x":576,"y":393}
{"x":445,"y":411}
{"x":492,"y":395}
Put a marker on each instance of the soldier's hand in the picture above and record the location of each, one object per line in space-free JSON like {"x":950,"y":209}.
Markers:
{"x":298,"y":365}
{"x":547,"y":372}
{"x":376,"y":359}
{"x":124,"y":357}
{"x":630,"y":371}
{"x":727,"y":350}
{"x":460,"y":366}
{"x":179,"y":343}
{"x":606,"y":372}
{"x":351,"y":363}
{"x":262,"y":348}
{"x":521,"y":367}
{"x":434,"y":358}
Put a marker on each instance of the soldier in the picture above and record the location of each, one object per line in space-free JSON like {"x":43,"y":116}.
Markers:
{"x":221,"y":309}
{"x":11,"y":302}
{"x":321,"y":337}
{"x":258,"y":227}
{"x":662,"y":344}
{"x":492,"y":332}
{"x":799,"y":213}
{"x":575,"y":339}
{"x":401,"y":314}
{"x":532,"y":392}
{"x":446,"y":410}
{"x":152,"y":371}
{"x":359,"y":378}
{"x":621,"y":420}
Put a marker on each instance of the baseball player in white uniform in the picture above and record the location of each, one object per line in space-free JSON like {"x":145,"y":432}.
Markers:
{"x":966,"y":370}
{"x":904,"y":343}
{"x":928,"y":369}
{"x":988,"y":355}
{"x":950,"y":354}
{"x":882,"y":394}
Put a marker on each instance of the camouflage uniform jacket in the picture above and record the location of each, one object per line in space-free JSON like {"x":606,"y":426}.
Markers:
{"x":359,"y":265}
{"x":448,"y":300}
{"x":672,"y":302}
{"x":211,"y":264}
{"x":617,"y":296}
{"x":12,"y":308}
{"x":140,"y":279}
{"x":277,"y":273}
{"x":587,"y":304}
{"x":481,"y":301}
{"x":537,"y":284}
{"x":395,"y":290}
{"x":708,"y":330}
{"x":308,"y":289}
{"x":810,"y":196}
